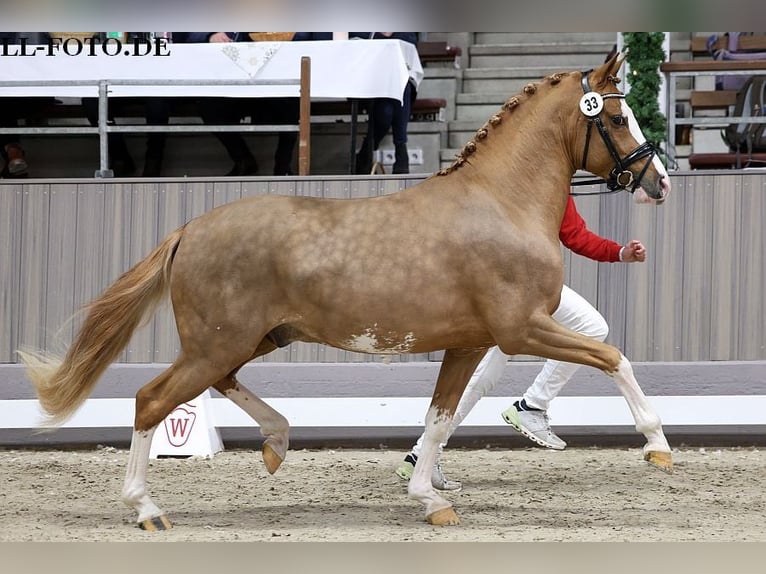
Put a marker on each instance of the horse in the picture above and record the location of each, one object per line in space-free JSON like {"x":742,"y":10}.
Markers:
{"x":257,"y":274}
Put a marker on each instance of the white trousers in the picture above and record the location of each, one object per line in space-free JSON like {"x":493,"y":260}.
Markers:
{"x":573,"y":312}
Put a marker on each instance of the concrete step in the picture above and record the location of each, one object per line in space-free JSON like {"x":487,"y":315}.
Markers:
{"x":459,"y":132}
{"x":479,"y":107}
{"x":564,"y":56}
{"x":447,"y":156}
{"x":541,"y":37}
{"x":503,"y":80}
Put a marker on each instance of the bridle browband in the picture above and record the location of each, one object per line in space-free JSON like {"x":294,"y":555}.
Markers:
{"x":620,"y":177}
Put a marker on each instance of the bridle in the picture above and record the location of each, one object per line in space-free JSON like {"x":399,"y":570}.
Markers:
{"x":620,"y":177}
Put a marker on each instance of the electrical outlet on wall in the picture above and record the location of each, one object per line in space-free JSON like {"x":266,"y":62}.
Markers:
{"x":387,"y":156}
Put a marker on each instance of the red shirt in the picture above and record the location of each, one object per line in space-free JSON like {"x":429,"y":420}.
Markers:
{"x":576,"y":236}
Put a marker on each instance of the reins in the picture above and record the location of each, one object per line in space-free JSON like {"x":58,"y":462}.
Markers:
{"x":591,"y":182}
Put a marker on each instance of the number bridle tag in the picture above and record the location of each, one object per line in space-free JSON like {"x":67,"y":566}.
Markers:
{"x":591,"y":104}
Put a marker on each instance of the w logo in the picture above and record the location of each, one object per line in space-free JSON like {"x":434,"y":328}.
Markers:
{"x":179,"y":424}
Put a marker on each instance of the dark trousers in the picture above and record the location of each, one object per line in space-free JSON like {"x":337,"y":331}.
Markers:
{"x":262,"y":111}
{"x":12,"y":110}
{"x":390,"y":114}
{"x":157,"y":113}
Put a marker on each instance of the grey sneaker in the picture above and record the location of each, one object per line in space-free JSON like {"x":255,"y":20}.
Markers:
{"x":534,"y":425}
{"x":438,"y":480}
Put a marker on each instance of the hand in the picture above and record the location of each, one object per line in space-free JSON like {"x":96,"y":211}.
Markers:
{"x":634,"y":251}
{"x":219,"y":37}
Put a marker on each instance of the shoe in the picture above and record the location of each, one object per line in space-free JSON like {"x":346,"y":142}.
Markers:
{"x":401,"y":159}
{"x":438,"y":480}
{"x":152,"y":167}
{"x":363,"y":164}
{"x":243,"y":167}
{"x":123,"y":167}
{"x":533,"y":424}
{"x":17,"y":163}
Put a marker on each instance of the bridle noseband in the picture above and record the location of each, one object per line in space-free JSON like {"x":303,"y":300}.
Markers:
{"x":620,"y":177}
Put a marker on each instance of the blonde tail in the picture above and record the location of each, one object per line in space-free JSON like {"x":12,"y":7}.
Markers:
{"x":62,"y":386}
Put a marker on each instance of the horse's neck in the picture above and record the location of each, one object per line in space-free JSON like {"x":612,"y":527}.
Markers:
{"x":526,"y":159}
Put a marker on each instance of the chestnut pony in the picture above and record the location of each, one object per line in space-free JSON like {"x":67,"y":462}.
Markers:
{"x":262,"y":272}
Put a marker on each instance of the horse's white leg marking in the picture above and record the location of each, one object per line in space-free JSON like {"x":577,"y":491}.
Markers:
{"x":482,"y":381}
{"x":647,"y":421}
{"x":273,"y":425}
{"x":420,"y":487}
{"x":134,"y":489}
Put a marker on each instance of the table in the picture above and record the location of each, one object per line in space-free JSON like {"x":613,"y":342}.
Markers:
{"x":344,"y":69}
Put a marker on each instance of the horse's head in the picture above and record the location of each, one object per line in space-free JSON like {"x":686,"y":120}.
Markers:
{"x":614,"y":147}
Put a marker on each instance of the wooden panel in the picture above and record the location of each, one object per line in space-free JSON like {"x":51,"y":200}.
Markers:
{"x":696,"y":271}
{"x":668,"y":290}
{"x":34,"y":265}
{"x":712,"y":99}
{"x":171,"y":205}
{"x":10,"y":263}
{"x":59,"y":296}
{"x":638,"y":324}
{"x":750,"y":277}
{"x":698,"y":297}
{"x":611,"y":277}
{"x":89,"y":275}
{"x":756,"y":42}
{"x":142,"y":238}
{"x":724,"y":301}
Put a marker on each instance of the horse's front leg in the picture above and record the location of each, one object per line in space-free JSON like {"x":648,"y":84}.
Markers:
{"x":456,"y":369}
{"x":656,"y":450}
{"x":547,"y":338}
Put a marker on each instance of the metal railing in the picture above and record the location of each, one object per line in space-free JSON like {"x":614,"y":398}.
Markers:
{"x":104,"y":128}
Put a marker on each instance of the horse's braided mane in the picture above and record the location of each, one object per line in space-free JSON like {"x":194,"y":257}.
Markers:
{"x":507,"y":108}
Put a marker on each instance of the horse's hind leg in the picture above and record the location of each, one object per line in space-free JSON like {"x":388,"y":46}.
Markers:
{"x":547,"y":338}
{"x":181,"y":382}
{"x":273,"y":425}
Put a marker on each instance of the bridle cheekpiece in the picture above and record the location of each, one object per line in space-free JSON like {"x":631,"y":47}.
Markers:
{"x":591,"y":105}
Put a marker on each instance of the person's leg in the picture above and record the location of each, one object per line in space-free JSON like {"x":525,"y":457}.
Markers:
{"x":528,"y":415}
{"x":399,"y":122}
{"x":225,"y":111}
{"x":285,"y":111}
{"x":15,"y":163}
{"x":157,"y":112}
{"x":382,"y":116}
{"x":483,"y":380}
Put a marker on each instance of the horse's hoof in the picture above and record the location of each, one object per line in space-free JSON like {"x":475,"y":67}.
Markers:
{"x":443,"y":517}
{"x":271,"y":459}
{"x":155,"y":524}
{"x":661,"y":460}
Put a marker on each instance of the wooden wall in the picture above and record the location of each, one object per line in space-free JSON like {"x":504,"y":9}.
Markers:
{"x":699,"y":296}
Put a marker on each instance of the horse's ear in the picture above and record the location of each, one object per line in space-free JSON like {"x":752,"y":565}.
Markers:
{"x":609,"y":69}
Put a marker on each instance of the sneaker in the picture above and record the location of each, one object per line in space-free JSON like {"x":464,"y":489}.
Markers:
{"x":438,"y":480}
{"x":17,"y":163}
{"x":533,"y":424}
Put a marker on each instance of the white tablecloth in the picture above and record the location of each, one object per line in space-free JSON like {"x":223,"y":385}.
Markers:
{"x":339,"y":69}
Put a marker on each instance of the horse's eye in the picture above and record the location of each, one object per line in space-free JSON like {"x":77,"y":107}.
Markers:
{"x":619,"y":120}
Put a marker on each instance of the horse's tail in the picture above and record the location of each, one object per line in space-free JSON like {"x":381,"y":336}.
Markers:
{"x":62,"y":386}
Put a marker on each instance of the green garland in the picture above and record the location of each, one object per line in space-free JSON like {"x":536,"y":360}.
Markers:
{"x":645,"y":54}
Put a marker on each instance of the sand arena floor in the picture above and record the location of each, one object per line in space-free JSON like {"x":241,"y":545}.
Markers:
{"x":353,"y":495}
